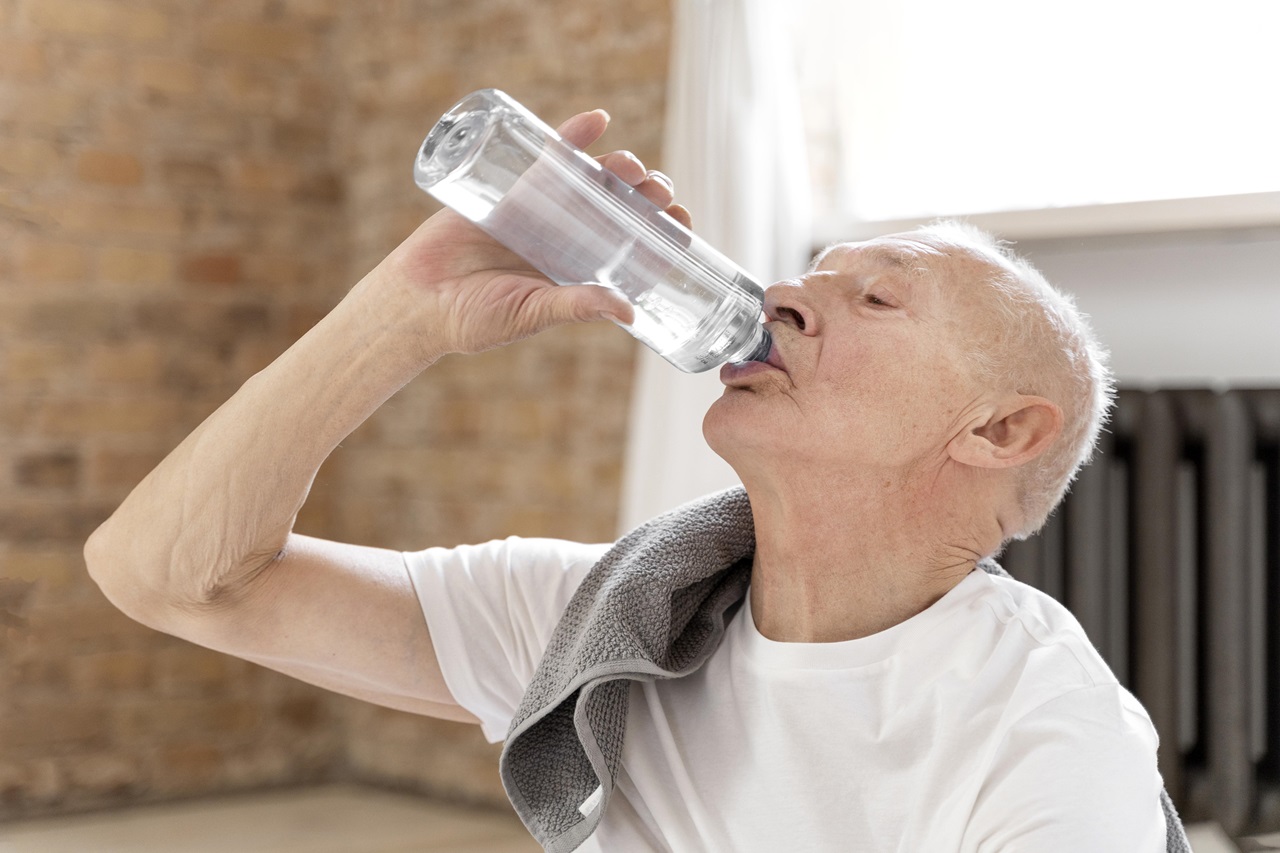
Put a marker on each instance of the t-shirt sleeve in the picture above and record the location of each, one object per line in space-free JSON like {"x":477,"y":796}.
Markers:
{"x":491,"y":609}
{"x":1077,"y":773}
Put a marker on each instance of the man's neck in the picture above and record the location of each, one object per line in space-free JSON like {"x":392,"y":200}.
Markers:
{"x":843,"y":562}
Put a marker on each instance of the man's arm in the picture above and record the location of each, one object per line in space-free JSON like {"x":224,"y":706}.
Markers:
{"x":203,"y":548}
{"x":1077,"y":773}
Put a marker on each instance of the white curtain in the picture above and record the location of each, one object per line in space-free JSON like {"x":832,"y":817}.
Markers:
{"x":734,"y":147}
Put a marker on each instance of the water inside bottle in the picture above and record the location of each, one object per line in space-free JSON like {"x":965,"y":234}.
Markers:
{"x":688,"y":307}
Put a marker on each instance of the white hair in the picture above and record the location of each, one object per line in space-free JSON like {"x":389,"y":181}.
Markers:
{"x":1039,"y":344}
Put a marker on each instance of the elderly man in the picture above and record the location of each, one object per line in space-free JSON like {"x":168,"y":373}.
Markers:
{"x":928,"y":398}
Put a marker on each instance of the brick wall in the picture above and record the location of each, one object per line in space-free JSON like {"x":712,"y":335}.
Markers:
{"x":185,"y":187}
{"x":524,"y":440}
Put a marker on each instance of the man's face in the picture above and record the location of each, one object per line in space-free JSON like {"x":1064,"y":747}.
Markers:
{"x":867,"y":370}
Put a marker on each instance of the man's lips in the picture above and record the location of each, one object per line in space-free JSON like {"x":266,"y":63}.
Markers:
{"x":775,"y":358}
{"x":734,"y":374}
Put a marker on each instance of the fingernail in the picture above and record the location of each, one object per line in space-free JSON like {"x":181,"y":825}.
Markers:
{"x":604,"y":113}
{"x":661,"y":178}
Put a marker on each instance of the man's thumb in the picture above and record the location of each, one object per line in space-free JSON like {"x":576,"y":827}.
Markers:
{"x":584,"y":303}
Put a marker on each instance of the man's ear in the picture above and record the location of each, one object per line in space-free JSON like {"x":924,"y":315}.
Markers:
{"x":1011,"y":433}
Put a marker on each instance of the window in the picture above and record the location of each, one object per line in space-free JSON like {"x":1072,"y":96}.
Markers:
{"x":922,"y":108}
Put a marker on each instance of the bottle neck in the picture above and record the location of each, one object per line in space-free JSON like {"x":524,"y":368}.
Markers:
{"x":756,"y":348}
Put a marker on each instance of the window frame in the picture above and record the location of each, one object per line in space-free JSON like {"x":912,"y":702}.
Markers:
{"x":1248,"y":210}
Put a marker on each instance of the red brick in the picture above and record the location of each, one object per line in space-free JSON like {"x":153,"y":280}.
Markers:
{"x":257,"y":39}
{"x":95,"y":71}
{"x":45,"y":108}
{"x":189,"y":766}
{"x":267,"y":763}
{"x":167,"y":76}
{"x":55,"y":470}
{"x":202,"y":329}
{"x":39,"y":781}
{"x":29,"y":675}
{"x":130,"y":126}
{"x":211,"y":269}
{"x":106,"y":416}
{"x":127,"y":362}
{"x":135,"y":266}
{"x":185,"y":670}
{"x":177,"y":718}
{"x":524,"y":422}
{"x":48,"y":780}
{"x":52,"y":568}
{"x":31,"y":520}
{"x":64,"y":320}
{"x":197,"y":174}
{"x":22,"y":60}
{"x":249,"y":88}
{"x":114,"y":671}
{"x":316,"y":95}
{"x":264,"y":176}
{"x":33,"y":728}
{"x":322,"y":11}
{"x":94,"y":18}
{"x":278,"y":269}
{"x":15,"y":601}
{"x":29,"y":158}
{"x":321,"y":187}
{"x":74,"y":627}
{"x":104,"y":218}
{"x":105,"y":773}
{"x":299,"y":136}
{"x":304,"y":713}
{"x":109,"y":167}
{"x":48,"y":261}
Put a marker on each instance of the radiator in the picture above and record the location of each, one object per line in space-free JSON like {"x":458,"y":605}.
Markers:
{"x":1167,"y":552}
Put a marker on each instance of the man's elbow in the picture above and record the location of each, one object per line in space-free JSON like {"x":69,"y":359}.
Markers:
{"x":172,"y":589}
{"x":97,"y":557}
{"x":106,"y":557}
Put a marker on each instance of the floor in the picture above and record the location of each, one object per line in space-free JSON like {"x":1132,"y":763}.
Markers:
{"x":332,"y":819}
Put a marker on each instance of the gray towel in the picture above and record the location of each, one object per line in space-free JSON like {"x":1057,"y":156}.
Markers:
{"x":655,"y":606}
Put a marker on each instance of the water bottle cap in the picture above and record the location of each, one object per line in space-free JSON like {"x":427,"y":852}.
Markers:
{"x":762,"y":348}
{"x":451,"y":142}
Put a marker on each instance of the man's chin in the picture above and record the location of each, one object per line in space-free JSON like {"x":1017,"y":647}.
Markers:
{"x":729,"y":427}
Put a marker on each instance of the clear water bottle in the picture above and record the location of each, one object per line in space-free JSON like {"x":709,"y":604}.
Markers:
{"x":497,"y":164}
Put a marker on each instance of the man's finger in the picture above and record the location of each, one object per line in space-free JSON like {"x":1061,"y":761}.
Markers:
{"x":625,"y":165}
{"x":585,"y":128}
{"x":680,"y":214}
{"x":657,"y":189}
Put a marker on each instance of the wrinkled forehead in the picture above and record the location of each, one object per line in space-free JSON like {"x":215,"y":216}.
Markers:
{"x":897,"y":252}
{"x":951,"y":270}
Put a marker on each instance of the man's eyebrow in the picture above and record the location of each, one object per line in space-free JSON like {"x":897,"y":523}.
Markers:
{"x":903,"y":259}
{"x":915,"y":265}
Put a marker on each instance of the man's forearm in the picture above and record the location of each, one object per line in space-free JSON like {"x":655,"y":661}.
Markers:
{"x":222,"y":504}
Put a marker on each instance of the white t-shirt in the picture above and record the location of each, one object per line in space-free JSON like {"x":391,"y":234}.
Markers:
{"x":988,"y":722}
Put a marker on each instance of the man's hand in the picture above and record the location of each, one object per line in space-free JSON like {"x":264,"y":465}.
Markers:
{"x":471,"y":293}
{"x":203,"y":548}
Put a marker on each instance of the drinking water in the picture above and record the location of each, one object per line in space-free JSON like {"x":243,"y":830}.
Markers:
{"x":499,"y":166}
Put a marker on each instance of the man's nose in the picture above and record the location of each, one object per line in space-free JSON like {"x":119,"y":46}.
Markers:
{"x":787,"y":302}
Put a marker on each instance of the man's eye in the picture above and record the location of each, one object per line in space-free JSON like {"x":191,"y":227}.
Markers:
{"x":876,"y":300}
